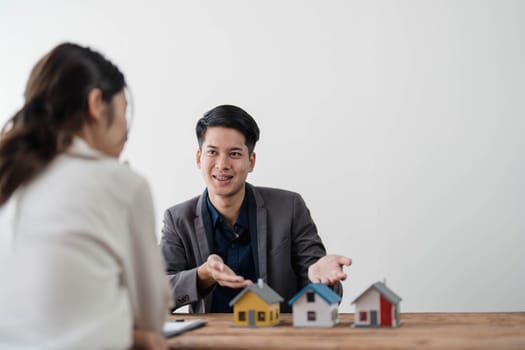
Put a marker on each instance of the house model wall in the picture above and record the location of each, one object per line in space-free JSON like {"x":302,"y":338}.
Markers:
{"x":378,"y":306}
{"x":256,"y":306}
{"x":316,"y":305}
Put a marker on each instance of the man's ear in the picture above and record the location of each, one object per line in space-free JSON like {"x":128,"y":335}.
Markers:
{"x":252,"y":162}
{"x":95,"y":106}
{"x":198,"y":158}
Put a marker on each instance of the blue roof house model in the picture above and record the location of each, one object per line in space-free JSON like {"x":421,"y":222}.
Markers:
{"x":316,"y":305}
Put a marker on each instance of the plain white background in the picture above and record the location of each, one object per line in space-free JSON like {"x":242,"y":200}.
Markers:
{"x":400,"y":122}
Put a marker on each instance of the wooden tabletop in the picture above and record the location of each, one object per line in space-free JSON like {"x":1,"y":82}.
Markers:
{"x":417,"y":331}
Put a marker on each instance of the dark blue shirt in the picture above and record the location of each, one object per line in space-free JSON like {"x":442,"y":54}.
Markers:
{"x":236,"y":252}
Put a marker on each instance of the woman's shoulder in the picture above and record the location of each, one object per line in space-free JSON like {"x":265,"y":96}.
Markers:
{"x":120,"y":173}
{"x":102,"y":170}
{"x":104,"y":179}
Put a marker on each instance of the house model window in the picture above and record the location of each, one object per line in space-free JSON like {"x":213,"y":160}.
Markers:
{"x":310,"y":297}
{"x":363,"y":316}
{"x":311,"y":316}
{"x":260,"y":316}
{"x":242,"y":316}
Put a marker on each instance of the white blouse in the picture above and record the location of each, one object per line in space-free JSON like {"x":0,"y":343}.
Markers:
{"x":79,"y":261}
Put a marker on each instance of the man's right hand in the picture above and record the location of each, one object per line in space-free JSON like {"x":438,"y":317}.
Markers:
{"x":214,"y":270}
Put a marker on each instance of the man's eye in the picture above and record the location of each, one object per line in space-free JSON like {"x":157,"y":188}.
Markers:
{"x":212,"y":152}
{"x":235,"y":154}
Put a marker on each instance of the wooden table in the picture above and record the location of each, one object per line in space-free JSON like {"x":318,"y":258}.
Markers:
{"x":418,"y":331}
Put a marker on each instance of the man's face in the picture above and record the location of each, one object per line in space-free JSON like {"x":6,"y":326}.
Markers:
{"x":224,"y":161}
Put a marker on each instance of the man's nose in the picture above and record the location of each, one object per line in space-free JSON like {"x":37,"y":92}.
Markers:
{"x":223,"y":162}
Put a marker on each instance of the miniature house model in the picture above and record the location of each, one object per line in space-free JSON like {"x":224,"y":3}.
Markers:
{"x":315,"y":306}
{"x":378,"y":306}
{"x":256,"y":306}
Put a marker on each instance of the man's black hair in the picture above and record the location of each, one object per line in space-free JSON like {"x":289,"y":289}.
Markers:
{"x":229,"y":116}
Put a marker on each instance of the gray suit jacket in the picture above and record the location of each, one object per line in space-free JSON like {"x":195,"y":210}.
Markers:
{"x":287,"y":244}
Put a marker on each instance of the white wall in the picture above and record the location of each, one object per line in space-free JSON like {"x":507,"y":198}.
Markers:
{"x":400,"y":122}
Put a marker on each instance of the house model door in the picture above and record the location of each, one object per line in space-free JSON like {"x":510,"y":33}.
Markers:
{"x":373,"y":318}
{"x":251,"y":318}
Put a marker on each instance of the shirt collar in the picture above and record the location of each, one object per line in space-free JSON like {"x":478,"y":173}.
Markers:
{"x":242,"y":219}
{"x":80,"y":148}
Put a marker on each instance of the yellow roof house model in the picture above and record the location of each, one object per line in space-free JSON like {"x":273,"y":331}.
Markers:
{"x":256,"y":306}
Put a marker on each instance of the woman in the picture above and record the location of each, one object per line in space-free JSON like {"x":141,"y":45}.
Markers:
{"x":80,"y":264}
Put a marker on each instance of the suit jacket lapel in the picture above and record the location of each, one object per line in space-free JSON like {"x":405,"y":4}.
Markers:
{"x":252,"y":213}
{"x":204,"y":238}
{"x":261,"y":233}
{"x":204,"y":235}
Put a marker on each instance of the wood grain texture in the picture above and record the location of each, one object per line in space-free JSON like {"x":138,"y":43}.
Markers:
{"x":418,"y":331}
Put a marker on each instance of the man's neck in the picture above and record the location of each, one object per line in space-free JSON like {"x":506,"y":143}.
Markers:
{"x":228,"y":206}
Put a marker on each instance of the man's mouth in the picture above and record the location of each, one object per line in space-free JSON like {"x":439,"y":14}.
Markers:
{"x":222,"y":178}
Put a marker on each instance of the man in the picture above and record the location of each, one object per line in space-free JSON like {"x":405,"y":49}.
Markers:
{"x":234,"y":233}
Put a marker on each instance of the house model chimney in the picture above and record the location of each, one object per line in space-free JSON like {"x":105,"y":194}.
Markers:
{"x":260,"y":282}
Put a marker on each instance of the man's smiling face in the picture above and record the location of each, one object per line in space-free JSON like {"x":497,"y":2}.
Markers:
{"x":225,"y":161}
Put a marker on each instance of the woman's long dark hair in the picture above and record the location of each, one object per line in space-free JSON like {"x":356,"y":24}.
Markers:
{"x":55,"y":108}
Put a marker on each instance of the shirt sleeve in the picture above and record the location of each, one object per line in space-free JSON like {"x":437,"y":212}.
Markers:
{"x":145,"y":279}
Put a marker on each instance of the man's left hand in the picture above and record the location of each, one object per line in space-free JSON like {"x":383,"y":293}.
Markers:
{"x":329,"y":269}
